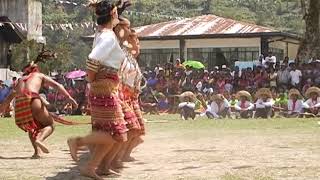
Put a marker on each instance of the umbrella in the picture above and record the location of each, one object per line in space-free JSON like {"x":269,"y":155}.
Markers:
{"x":76,"y":74}
{"x":194,"y":64}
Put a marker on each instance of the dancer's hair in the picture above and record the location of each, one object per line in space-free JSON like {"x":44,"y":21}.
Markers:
{"x":42,"y":56}
{"x":103,"y":10}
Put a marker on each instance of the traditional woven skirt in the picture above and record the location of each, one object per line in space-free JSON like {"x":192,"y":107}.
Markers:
{"x":128,"y":110}
{"x":23,"y":113}
{"x":106,"y":109}
{"x":138,"y":112}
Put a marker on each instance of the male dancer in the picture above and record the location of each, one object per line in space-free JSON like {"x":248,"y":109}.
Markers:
{"x":31,"y":114}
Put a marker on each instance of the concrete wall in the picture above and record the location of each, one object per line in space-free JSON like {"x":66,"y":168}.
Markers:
{"x":220,"y":43}
{"x":159,"y":44}
{"x":24,"y":11}
{"x":292,"y":50}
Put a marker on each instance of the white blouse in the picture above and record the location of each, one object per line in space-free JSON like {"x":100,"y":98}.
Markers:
{"x":297,"y":108}
{"x":106,"y":50}
{"x":312,"y":104}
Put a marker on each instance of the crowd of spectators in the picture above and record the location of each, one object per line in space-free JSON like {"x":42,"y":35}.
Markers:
{"x":165,"y":83}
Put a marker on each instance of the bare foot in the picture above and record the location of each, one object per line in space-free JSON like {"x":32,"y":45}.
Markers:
{"x":117,"y":165}
{"x":35,"y":156}
{"x":129,"y":159}
{"x":43,"y":147}
{"x":109,"y":172}
{"x":72,"y":143}
{"x":90,"y":173}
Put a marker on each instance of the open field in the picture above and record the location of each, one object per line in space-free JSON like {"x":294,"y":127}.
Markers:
{"x":201,"y":149}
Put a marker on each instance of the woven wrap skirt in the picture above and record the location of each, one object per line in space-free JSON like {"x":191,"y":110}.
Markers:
{"x":106,"y":110}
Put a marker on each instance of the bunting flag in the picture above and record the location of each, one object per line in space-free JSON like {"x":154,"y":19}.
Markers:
{"x":83,"y":25}
{"x":53,"y":27}
{"x":130,"y":13}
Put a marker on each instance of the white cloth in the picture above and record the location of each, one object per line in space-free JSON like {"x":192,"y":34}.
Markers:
{"x":130,"y":70}
{"x":295,"y":76}
{"x":106,"y":50}
{"x":271,"y":59}
{"x":187,"y":104}
{"x":312,"y":104}
{"x":199,"y":86}
{"x":248,"y":106}
{"x":260,"y":104}
{"x":298,"y":107}
{"x":214,"y":108}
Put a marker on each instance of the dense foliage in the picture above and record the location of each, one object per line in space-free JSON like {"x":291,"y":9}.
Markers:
{"x":284,"y":15}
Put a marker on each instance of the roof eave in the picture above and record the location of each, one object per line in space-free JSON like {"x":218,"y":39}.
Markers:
{"x":212,"y":36}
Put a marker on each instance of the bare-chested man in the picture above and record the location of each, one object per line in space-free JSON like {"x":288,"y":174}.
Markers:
{"x":31,"y":114}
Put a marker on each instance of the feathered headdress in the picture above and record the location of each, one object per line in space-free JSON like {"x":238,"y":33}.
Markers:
{"x":42,"y":56}
{"x":122,"y":5}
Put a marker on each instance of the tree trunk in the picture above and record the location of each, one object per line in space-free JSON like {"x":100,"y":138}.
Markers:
{"x":310,"y":45}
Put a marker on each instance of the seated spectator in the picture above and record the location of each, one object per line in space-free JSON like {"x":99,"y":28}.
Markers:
{"x":163,"y":105}
{"x":264,"y":103}
{"x":244,"y":107}
{"x":233,"y":101}
{"x":295,"y":104}
{"x":187,"y":105}
{"x":312,"y":105}
{"x":307,"y":85}
{"x":201,"y":104}
{"x":219,"y":108}
{"x":281,"y":101}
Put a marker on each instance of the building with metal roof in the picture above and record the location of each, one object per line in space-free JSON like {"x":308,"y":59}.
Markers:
{"x":213,"y":40}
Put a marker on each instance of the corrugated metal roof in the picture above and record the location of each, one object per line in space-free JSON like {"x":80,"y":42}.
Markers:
{"x":206,"y":24}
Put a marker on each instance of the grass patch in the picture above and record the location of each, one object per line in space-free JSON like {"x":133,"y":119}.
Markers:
{"x":173,"y":123}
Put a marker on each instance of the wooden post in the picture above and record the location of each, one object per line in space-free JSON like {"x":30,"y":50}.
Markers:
{"x":182,"y":47}
{"x":264,"y":46}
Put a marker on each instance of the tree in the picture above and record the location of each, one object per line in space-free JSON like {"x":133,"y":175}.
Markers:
{"x":310,"y":45}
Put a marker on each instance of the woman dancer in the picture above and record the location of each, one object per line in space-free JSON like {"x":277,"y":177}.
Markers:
{"x":108,"y":124}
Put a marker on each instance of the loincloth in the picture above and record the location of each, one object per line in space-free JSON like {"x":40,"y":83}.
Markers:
{"x":23,"y":113}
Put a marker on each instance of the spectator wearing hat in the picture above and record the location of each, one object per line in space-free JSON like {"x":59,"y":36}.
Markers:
{"x":187,"y":105}
{"x":312,"y":105}
{"x":264,"y":103}
{"x":295,"y":104}
{"x":244,"y":107}
{"x":219,"y":108}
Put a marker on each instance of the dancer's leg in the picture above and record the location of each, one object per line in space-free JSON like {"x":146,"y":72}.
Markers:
{"x":41,"y":114}
{"x":95,"y":138}
{"x":97,"y":156}
{"x":36,"y":154}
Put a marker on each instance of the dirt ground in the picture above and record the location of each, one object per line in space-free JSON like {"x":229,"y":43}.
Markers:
{"x":185,"y":154}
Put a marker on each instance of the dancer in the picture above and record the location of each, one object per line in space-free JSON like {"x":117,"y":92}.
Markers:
{"x":264,"y":103}
{"x":219,"y":108}
{"x":31,"y":114}
{"x":108,"y":124}
{"x":295,"y":104}
{"x":312,"y":105}
{"x":131,"y":77}
{"x":244,"y":107}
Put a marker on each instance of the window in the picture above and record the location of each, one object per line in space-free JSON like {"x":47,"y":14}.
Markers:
{"x":279,"y":53}
{"x":152,"y":57}
{"x":219,"y":56}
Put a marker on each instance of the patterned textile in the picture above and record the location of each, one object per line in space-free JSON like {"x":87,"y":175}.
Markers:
{"x":106,"y":109}
{"x":23,"y":113}
{"x":137,"y":110}
{"x":127,"y":108}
